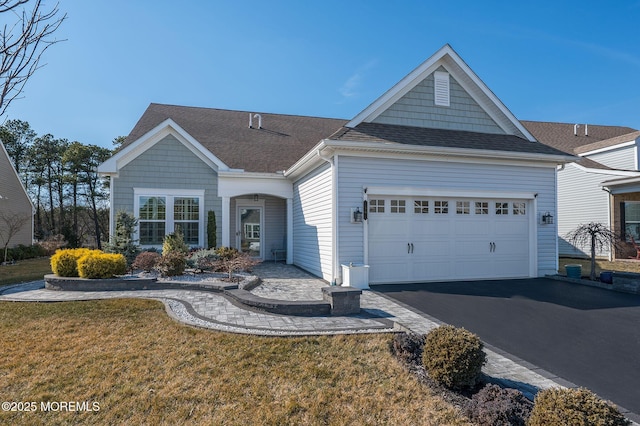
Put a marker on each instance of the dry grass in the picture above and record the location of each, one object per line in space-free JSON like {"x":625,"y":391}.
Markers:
{"x":143,"y":368}
{"x":24,"y":271}
{"x":601,"y":265}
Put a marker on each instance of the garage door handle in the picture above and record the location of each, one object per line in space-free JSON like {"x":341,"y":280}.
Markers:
{"x":411,"y":248}
{"x":408,"y":247}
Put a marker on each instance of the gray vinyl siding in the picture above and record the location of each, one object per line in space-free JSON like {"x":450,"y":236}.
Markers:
{"x":580,"y":200}
{"x":356,"y":173}
{"x":14,"y":201}
{"x":167,"y":165}
{"x":625,"y":158}
{"x":417,"y":108}
{"x":312,"y":222}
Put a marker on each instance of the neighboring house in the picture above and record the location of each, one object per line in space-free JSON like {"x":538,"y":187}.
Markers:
{"x":14,"y":203}
{"x":602,"y":186}
{"x":449,"y":184}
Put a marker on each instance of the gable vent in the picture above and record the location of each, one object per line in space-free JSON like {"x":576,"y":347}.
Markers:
{"x":441,"y":88}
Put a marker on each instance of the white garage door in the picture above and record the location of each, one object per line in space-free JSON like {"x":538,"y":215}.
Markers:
{"x":413,"y":239}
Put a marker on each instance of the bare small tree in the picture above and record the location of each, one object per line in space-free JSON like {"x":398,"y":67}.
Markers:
{"x":595,"y":235}
{"x":24,"y":37}
{"x":10,"y":225}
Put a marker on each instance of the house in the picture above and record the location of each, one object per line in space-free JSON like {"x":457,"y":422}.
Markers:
{"x":435,"y":180}
{"x":16,"y":209}
{"x":602,"y":186}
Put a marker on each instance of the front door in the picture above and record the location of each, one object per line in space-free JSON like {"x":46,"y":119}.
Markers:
{"x":249,"y":231}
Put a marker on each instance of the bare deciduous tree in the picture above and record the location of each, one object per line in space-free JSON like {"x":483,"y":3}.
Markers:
{"x":596,"y":236}
{"x":10,"y":225}
{"x":24,"y":37}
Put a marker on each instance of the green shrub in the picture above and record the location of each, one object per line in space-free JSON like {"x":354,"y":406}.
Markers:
{"x":22,"y":252}
{"x":495,"y":406}
{"x":453,"y":357}
{"x":174,"y":243}
{"x":122,"y":242}
{"x":64,"y":263}
{"x":226,"y":253}
{"x":147,"y":261}
{"x":576,"y":407}
{"x":202,"y":260}
{"x":211,"y":229}
{"x":171,"y":264}
{"x":101,"y":265}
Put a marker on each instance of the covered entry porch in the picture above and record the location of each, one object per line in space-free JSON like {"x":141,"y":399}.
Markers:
{"x":257,"y":214}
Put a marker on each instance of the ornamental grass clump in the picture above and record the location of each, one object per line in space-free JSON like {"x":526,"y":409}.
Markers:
{"x":576,"y":407}
{"x":101,"y":265}
{"x":453,"y":357}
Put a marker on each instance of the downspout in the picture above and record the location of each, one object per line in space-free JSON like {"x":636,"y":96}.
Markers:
{"x":334,"y":210}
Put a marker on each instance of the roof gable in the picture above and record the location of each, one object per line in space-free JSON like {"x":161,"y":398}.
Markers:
{"x":10,"y":180}
{"x":493,"y":116}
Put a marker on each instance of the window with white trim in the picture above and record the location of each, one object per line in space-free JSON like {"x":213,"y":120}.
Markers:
{"x":161,"y":212}
{"x":463,"y":207}
{"x":502,"y":208}
{"x":482,"y":207}
{"x":252,"y":231}
{"x":376,"y":206}
{"x":398,"y":206}
{"x":421,"y":206}
{"x":519,"y":208}
{"x":441,"y":207}
{"x":631,"y":221}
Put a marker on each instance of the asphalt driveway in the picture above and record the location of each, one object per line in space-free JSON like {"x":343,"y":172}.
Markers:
{"x":588,"y":336}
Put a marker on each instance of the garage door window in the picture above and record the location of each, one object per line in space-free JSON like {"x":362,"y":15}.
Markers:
{"x":519,"y":209}
{"x":398,"y":206}
{"x":482,"y":207}
{"x":421,"y":206}
{"x":502,"y":208}
{"x":376,"y":206}
{"x":441,"y":207}
{"x":463,"y":207}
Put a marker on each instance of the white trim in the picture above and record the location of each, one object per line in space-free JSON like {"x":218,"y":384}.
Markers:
{"x":607,"y":148}
{"x":448,"y":193}
{"x":605,"y":171}
{"x":169,"y":221}
{"x":234,"y":184}
{"x":421,"y":72}
{"x":152,"y":137}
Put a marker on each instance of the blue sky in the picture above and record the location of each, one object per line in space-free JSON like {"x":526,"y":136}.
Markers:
{"x":565,"y":61}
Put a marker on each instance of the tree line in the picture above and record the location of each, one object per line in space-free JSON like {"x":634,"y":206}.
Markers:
{"x":70,"y":198}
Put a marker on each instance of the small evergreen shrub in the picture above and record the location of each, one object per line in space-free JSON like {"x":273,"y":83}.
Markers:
{"x":147,"y":261}
{"x":174,"y":243}
{"x":64,"y":263}
{"x":211,"y":229}
{"x":202,"y":260}
{"x":576,"y":407}
{"x":407,"y":346}
{"x":453,"y":357}
{"x":23,"y":252}
{"x":122,"y":242}
{"x":495,"y":406}
{"x":171,"y":264}
{"x":97,"y":264}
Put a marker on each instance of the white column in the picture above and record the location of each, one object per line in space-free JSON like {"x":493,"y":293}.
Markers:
{"x":225,"y":221}
{"x":289,"y":231}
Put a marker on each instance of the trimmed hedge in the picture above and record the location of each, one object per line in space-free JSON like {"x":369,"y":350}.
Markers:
{"x":64,"y":263}
{"x":576,"y":407}
{"x":453,"y":357}
{"x":101,"y":265}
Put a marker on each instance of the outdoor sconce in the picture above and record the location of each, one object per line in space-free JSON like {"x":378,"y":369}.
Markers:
{"x":547,"y":219}
{"x":356,"y":215}
{"x":255,"y":197}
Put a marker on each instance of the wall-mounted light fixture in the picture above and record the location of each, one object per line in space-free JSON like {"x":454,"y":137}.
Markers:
{"x":547,"y":219}
{"x":255,"y":197}
{"x":356,"y":215}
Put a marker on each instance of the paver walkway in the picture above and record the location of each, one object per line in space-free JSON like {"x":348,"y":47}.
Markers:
{"x":215,"y":311}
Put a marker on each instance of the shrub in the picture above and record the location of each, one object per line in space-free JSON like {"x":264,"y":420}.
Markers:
{"x":226,"y":252}
{"x":122,"y":242}
{"x":22,"y":252}
{"x":453,"y":357}
{"x":101,"y":265}
{"x":495,"y":406}
{"x":147,"y":261}
{"x":64,"y":263}
{"x":203,"y":259}
{"x":576,"y":407}
{"x":211,"y":229}
{"x":174,"y":243}
{"x":232,"y":260}
{"x":407,"y":346}
{"x":171,"y":264}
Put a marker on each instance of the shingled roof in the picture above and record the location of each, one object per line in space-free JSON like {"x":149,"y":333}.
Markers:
{"x":374,"y":132}
{"x":282,"y":140}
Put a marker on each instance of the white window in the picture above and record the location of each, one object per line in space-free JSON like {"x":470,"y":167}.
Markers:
{"x":519,"y":209}
{"x":441,"y":88}
{"x":161,"y":212}
{"x":421,"y":206}
{"x":502,"y":208}
{"x":441,"y":207}
{"x":252,"y":231}
{"x":482,"y":207}
{"x":630,"y":216}
{"x":398,"y":206}
{"x":463,"y":207}
{"x":376,"y":206}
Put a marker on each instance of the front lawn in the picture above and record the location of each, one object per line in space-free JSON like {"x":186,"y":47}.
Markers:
{"x":24,"y":271}
{"x":141,"y":367}
{"x":601,"y":265}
